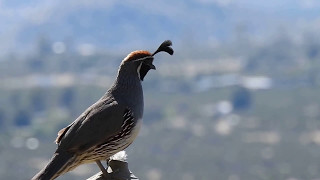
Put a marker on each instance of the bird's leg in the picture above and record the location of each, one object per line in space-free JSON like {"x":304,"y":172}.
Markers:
{"x":107,"y":162}
{"x":103,"y":170}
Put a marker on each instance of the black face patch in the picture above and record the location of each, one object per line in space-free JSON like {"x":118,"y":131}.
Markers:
{"x":147,"y":64}
{"x":143,"y":71}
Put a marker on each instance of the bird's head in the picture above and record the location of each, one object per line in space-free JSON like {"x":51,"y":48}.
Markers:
{"x":142,"y":61}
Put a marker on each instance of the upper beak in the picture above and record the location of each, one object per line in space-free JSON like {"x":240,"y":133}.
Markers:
{"x":151,"y":66}
{"x":148,"y":62}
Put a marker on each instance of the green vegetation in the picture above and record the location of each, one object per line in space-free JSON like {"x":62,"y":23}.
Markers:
{"x":215,"y":132}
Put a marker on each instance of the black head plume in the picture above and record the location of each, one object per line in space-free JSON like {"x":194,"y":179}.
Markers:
{"x":165,"y":46}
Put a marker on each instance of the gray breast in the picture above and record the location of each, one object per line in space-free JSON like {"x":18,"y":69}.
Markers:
{"x":114,"y":144}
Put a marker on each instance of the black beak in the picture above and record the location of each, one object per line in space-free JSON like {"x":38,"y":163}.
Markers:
{"x":151,"y":66}
{"x":147,"y":62}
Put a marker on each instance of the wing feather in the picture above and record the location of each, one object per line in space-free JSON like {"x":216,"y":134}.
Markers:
{"x":97,"y":124}
{"x":61,"y":133}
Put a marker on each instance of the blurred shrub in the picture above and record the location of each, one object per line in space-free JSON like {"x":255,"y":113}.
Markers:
{"x":241,"y":99}
{"x":22,"y":118}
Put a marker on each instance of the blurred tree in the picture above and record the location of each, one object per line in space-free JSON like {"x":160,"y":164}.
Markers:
{"x":67,"y":97}
{"x":15,"y":98}
{"x":2,"y":119}
{"x":313,"y":51}
{"x":35,"y":64}
{"x":275,"y":55}
{"x":22,"y":118}
{"x":152,"y":116}
{"x":38,"y":99}
{"x":241,"y":99}
{"x":44,"y":46}
{"x":311,"y":45}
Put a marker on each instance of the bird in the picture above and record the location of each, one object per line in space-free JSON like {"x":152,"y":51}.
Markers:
{"x":109,"y":125}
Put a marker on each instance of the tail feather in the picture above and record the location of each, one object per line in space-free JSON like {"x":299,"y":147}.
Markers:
{"x":55,"y":167}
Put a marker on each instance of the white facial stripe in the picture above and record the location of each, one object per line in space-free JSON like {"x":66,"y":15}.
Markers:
{"x":138,"y":70}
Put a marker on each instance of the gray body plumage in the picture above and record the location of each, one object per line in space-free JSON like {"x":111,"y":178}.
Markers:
{"x":105,"y":128}
{"x":109,"y":125}
{"x":105,"y":117}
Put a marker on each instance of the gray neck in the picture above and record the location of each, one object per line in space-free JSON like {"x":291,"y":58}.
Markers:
{"x":127,"y":89}
{"x":127,"y":77}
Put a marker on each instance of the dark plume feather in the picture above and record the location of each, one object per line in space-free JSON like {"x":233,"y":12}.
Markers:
{"x":147,"y":65}
{"x":165,"y":46}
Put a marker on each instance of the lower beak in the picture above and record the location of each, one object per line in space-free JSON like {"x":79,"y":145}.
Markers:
{"x":152,"y":66}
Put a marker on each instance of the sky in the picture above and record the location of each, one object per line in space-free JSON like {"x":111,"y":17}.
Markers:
{"x":123,"y":24}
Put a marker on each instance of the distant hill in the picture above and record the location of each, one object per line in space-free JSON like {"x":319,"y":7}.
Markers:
{"x":126,"y":24}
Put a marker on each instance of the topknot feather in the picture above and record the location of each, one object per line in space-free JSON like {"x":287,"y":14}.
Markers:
{"x":137,"y":55}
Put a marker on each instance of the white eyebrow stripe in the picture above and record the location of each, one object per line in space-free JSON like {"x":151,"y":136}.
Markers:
{"x":138,"y":70}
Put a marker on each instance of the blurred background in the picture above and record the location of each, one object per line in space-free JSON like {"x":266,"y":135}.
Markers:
{"x":239,"y":100}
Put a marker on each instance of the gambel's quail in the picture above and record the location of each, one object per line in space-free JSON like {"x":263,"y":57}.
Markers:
{"x":109,"y":125}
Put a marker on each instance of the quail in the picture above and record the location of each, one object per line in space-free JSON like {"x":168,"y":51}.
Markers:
{"x":109,"y":125}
